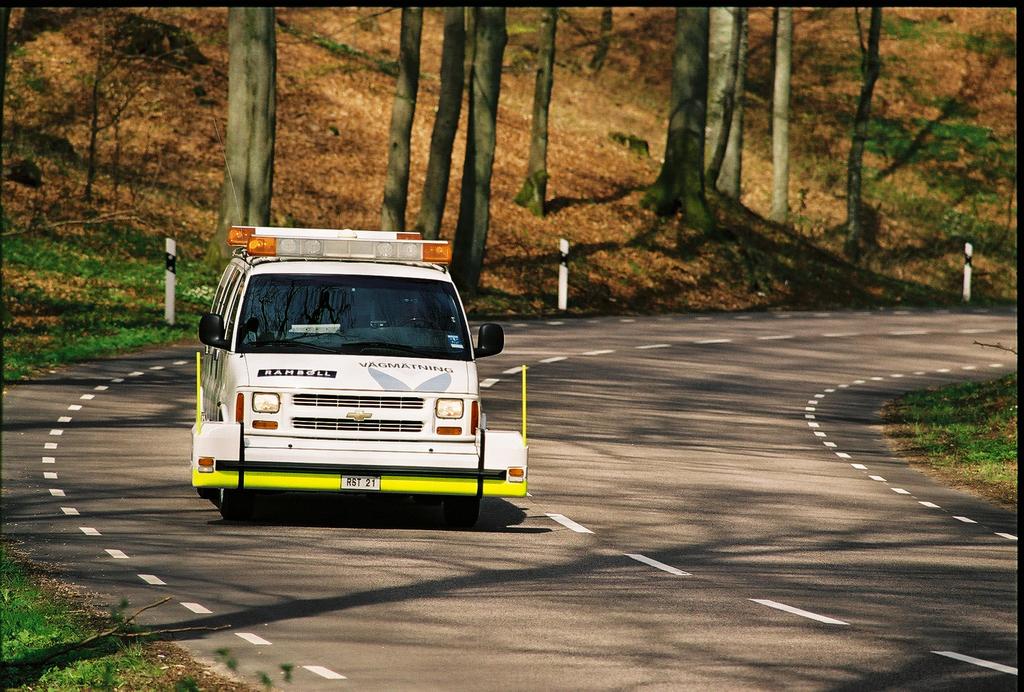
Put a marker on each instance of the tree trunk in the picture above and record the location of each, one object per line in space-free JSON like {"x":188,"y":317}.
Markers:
{"x":94,"y":128}
{"x":5,"y":17}
{"x":728,"y":94}
{"x":870,"y":67}
{"x":732,"y":166}
{"x":780,"y":117}
{"x":249,"y":177}
{"x":446,"y":122}
{"x":474,"y":205}
{"x":604,"y":41}
{"x":535,"y":186}
{"x":719,"y":38}
{"x":396,"y":184}
{"x":680,"y":185}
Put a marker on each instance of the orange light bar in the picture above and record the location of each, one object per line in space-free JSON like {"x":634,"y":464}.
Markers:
{"x":449,"y":430}
{"x":239,"y":407}
{"x":265,"y":424}
{"x":409,"y":236}
{"x":439,"y":253}
{"x":263,"y":246}
{"x":239,"y":235}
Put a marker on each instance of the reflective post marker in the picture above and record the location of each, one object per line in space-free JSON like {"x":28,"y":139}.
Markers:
{"x":169,"y":282}
{"x":524,"y":405}
{"x":563,"y":274}
{"x":968,"y":251}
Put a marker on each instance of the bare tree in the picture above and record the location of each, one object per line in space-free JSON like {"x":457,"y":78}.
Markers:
{"x":870,"y":66}
{"x":535,"y":186}
{"x":252,"y":118}
{"x":728,"y":28}
{"x":449,"y":104}
{"x":489,"y":41}
{"x":5,"y":18}
{"x":732,"y":165}
{"x":780,"y":117}
{"x":680,"y":185}
{"x":604,"y":41}
{"x":396,"y":184}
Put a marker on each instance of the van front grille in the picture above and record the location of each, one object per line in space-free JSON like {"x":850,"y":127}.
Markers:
{"x":344,"y":424}
{"x":358,"y":401}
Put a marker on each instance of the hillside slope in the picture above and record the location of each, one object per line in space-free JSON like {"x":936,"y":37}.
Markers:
{"x":940,"y":164}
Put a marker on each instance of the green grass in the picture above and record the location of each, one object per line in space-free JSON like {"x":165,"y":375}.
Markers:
{"x":69,"y":298}
{"x":967,"y":433}
{"x":35,"y":623}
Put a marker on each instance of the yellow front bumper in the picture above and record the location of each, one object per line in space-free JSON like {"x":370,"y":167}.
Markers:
{"x":329,"y":482}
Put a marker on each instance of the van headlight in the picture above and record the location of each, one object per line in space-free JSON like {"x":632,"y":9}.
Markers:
{"x":266,"y":402}
{"x":448,"y":408}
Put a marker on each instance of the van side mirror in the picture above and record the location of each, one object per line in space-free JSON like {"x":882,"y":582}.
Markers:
{"x":490,"y":341}
{"x":211,"y":331}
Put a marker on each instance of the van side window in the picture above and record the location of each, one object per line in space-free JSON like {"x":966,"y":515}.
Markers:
{"x":227,"y":280}
{"x":234,"y":294}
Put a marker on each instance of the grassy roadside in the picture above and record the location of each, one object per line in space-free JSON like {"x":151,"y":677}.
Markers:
{"x":42,"y":616}
{"x":962,"y":434}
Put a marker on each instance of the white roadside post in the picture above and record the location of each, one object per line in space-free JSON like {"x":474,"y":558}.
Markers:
{"x":563,"y":274}
{"x":968,"y":252}
{"x":169,"y":282}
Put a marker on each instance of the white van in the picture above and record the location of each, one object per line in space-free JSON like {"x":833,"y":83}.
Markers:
{"x":341,"y":361}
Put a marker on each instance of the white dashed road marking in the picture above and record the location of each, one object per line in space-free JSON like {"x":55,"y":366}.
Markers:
{"x":977,"y":661}
{"x":152,"y":579}
{"x":56,"y":492}
{"x":838,"y":335}
{"x":180,"y":362}
{"x":157,"y":367}
{"x":512,"y":371}
{"x":930,"y":505}
{"x":859,"y":467}
{"x":976,"y":331}
{"x":64,"y":419}
{"x":713,"y":341}
{"x":659,"y":565}
{"x":775,"y":338}
{"x":253,"y":638}
{"x":50,"y":445}
{"x":89,"y":531}
{"x":75,"y":407}
{"x":877,"y":478}
{"x":965,"y":520}
{"x":842,"y":455}
{"x":598,"y":353}
{"x":116,"y":554}
{"x":100,"y":388}
{"x":569,"y":523}
{"x":117,"y":379}
{"x":900,"y":491}
{"x":87,"y":397}
{"x":69,"y":510}
{"x":490,"y":382}
{"x":56,"y":431}
{"x":644,"y":348}
{"x":798,"y":611}
{"x":136,"y":373}
{"x":556,"y":324}
{"x":197,"y":608}
{"x":49,"y":476}
{"x":553,"y":359}
{"x":910,"y":332}
{"x":1008,"y":536}
{"x":325,"y":672}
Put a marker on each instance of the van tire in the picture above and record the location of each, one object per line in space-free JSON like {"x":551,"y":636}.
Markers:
{"x":236,"y":505}
{"x":461,"y":512}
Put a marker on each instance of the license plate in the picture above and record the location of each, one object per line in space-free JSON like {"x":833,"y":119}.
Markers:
{"x":360,"y":482}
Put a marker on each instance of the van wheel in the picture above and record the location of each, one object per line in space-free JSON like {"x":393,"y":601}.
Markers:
{"x":211,"y":494}
{"x":236,"y":504}
{"x":461,"y":512}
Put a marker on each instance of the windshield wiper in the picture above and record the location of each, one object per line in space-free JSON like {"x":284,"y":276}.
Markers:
{"x":363,"y":346}
{"x":291,"y":342}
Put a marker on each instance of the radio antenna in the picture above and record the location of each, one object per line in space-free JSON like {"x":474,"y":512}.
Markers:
{"x":224,"y":151}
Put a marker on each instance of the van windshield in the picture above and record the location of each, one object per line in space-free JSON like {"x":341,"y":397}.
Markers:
{"x":350,"y":314}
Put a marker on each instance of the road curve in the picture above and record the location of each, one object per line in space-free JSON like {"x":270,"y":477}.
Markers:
{"x":712,"y":506}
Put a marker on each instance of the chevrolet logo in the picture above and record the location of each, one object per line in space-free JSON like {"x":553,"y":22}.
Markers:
{"x":359,"y":416}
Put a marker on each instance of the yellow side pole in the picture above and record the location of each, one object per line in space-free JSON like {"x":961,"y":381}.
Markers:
{"x":524,"y":405}
{"x":199,"y":396}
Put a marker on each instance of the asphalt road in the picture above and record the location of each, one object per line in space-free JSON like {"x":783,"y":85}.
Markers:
{"x":712,"y":507}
